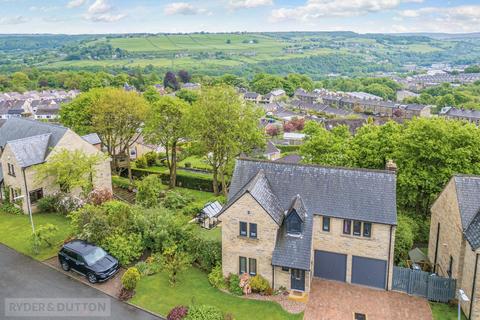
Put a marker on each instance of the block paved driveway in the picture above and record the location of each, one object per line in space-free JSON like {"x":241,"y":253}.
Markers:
{"x":331,"y":300}
{"x":23,"y":277}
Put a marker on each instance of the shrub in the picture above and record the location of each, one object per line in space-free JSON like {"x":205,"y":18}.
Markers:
{"x":216,"y":279}
{"x":121,"y":182}
{"x":204,"y":312}
{"x":260,"y":285}
{"x":148,"y":267}
{"x":130,"y":278}
{"x":234,"y":284}
{"x":177,"y":313}
{"x":184,"y":179}
{"x":125,"y":248}
{"x":176,"y":200}
{"x":150,"y":158}
{"x":43,"y":236}
{"x":47,"y":204}
{"x":99,"y":196}
{"x":149,"y":190}
{"x":10,"y":208}
{"x":174,"y":261}
{"x":207,"y":253}
{"x":141,"y":163}
{"x":188,"y":164}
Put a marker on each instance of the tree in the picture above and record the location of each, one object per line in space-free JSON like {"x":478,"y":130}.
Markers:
{"x":224,"y":125}
{"x":170,"y":81}
{"x":149,"y":190}
{"x":114,"y":114}
{"x":189,"y":96}
{"x":151,"y":94}
{"x":166,"y":124}
{"x":184,"y":76}
{"x":273,"y":130}
{"x":174,"y":261}
{"x":70,"y":169}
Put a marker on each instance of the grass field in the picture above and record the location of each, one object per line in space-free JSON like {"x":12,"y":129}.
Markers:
{"x":15,"y":231}
{"x":154,"y":293}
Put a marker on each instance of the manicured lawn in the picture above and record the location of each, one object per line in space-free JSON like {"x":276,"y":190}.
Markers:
{"x":15,"y":231}
{"x":442,"y":311}
{"x":196,"y":162}
{"x":154,"y":293}
{"x":212,"y":234}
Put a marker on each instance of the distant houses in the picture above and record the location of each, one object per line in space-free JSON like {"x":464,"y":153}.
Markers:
{"x":271,"y":97}
{"x":472,"y":116}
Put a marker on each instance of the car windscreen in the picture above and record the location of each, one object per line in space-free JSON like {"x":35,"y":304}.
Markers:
{"x":93,"y":256}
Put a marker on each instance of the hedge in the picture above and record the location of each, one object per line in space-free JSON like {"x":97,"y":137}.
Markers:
{"x":288,"y":148}
{"x":184,"y":179}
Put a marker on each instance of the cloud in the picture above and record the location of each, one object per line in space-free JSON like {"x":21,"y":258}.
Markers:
{"x":246,"y":4}
{"x":183,"y":8}
{"x":76,"y":3}
{"x":102,"y":11}
{"x":13,"y":20}
{"x":315,"y":9}
{"x":464,"y":18}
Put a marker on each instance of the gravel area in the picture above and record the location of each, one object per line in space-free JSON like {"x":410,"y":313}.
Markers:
{"x":287,"y":304}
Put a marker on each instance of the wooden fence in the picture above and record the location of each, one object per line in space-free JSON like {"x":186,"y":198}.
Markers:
{"x":424,"y":284}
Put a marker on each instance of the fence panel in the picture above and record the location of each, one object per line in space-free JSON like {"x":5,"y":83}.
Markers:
{"x":423,"y":284}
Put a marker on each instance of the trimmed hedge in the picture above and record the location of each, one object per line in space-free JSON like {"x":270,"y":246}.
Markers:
{"x":288,"y":148}
{"x":184,"y":179}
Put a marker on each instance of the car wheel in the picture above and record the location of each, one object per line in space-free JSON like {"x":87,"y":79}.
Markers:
{"x":65,"y":266}
{"x":91,"y":278}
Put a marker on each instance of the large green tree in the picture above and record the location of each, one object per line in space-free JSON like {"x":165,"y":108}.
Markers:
{"x":166,"y":124}
{"x":223,"y":125}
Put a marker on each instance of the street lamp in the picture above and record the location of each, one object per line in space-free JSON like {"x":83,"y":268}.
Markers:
{"x":462,"y":297}
{"x":29,"y":210}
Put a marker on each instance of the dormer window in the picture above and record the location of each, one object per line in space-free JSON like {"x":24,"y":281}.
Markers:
{"x":294,"y":223}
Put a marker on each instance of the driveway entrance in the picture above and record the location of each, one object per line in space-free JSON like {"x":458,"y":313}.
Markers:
{"x":333,"y":300}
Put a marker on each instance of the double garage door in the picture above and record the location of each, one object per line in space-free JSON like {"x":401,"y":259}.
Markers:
{"x":365,"y":271}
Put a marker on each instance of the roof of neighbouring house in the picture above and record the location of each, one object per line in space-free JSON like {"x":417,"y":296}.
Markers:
{"x":468,"y":189}
{"x":271,"y":148}
{"x":92,"y":138}
{"x":291,"y":158}
{"x":30,"y":139}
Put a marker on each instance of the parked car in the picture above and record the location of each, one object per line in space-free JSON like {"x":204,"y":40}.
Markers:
{"x":89,"y":260}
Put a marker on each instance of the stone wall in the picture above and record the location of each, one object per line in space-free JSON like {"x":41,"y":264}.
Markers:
{"x":248,"y":210}
{"x":376,"y":247}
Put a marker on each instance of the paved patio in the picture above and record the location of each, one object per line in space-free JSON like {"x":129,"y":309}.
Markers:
{"x":331,"y":300}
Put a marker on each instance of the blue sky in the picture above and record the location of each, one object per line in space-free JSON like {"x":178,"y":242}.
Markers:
{"x":122,"y":16}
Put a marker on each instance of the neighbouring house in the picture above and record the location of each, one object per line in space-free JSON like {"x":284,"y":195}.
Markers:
{"x":252,"y":97}
{"x":191,"y":86}
{"x":292,"y":222}
{"x":26,"y":143}
{"x":207,"y":218}
{"x":472,"y":116}
{"x":140,"y":147}
{"x":94,"y":140}
{"x":290,"y":158}
{"x":272,"y":152}
{"x":293,"y":138}
{"x":454,"y":244}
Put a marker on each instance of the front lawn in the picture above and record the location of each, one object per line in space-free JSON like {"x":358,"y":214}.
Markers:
{"x":442,"y":311}
{"x":15,"y":231}
{"x":154,"y":293}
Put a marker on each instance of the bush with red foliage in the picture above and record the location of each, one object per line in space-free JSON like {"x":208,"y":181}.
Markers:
{"x":272,"y":130}
{"x":177,"y":313}
{"x":98,"y":197}
{"x":296,"y":124}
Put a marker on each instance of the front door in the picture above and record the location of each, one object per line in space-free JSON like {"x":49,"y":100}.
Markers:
{"x":298,"y":279}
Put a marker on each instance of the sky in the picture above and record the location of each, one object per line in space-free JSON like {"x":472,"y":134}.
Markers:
{"x":154,"y":16}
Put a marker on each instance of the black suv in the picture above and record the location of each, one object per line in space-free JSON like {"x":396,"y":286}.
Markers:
{"x":88,"y":260}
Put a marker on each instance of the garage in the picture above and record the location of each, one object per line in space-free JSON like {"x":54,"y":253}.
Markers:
{"x":330,"y":265}
{"x":369,"y":272}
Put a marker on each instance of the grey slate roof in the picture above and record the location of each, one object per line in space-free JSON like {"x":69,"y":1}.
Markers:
{"x":367,"y":195}
{"x":468,"y":196}
{"x":298,"y":206}
{"x":259,"y":187}
{"x":30,"y":151}
{"x":291,"y":158}
{"x":19,"y":128}
{"x":294,"y":251}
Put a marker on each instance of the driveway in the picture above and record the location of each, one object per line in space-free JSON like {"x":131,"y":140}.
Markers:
{"x":331,"y":300}
{"x":23,"y":277}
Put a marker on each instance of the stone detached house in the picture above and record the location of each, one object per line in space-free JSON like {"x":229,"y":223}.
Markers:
{"x":292,"y":222}
{"x":24,"y":144}
{"x":454,"y":244}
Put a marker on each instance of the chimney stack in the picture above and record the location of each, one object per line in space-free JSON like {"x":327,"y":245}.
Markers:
{"x":391,"y":166}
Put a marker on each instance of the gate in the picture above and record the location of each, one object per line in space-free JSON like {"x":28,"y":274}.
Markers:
{"x":423,"y":284}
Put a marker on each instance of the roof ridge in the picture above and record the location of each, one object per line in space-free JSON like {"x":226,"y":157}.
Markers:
{"x":40,"y":123}
{"x":318,"y":166}
{"x":28,"y":138}
{"x":466,"y":175}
